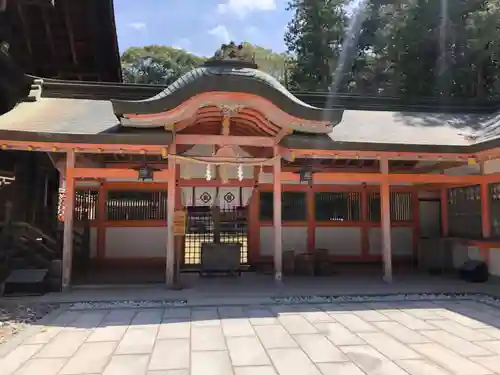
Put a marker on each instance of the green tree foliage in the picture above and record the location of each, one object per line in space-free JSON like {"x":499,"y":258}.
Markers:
{"x":268,"y":61}
{"x":163,"y":65}
{"x":314,"y":37}
{"x":414,"y":48}
{"x":157,"y":64}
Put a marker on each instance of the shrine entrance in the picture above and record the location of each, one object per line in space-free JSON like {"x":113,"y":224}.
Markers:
{"x":215,"y":215}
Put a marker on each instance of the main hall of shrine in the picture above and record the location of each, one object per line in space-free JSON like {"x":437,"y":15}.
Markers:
{"x":227,"y":155}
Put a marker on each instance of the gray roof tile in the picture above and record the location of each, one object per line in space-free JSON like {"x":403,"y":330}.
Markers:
{"x":64,"y":116}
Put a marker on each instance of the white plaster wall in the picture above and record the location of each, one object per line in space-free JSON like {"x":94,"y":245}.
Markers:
{"x":294,"y":238}
{"x":265,"y":178}
{"x":463,"y":170}
{"x":195,"y":170}
{"x":463,"y":253}
{"x":232,"y":172}
{"x":401,"y":241}
{"x":460,"y":254}
{"x":93,"y":242}
{"x":492,"y":166}
{"x":474,"y":253}
{"x":494,"y":262}
{"x":136,"y":242}
{"x":339,"y":241}
{"x":201,"y":150}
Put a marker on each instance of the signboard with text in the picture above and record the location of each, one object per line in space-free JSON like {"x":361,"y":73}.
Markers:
{"x":179,"y":223}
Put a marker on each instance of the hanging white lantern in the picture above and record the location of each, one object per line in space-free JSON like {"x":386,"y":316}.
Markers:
{"x":240,"y":172}
{"x":208,"y":172}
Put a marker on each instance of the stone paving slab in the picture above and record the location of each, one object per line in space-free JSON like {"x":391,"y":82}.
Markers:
{"x":389,"y":338}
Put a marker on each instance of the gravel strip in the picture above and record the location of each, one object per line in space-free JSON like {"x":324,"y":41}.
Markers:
{"x":290,"y":300}
{"x":16,"y":317}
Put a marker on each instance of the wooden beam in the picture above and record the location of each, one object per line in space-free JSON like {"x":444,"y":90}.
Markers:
{"x":26,"y":32}
{"x":392,"y":178}
{"x":114,"y":173}
{"x":71,"y":37}
{"x":82,"y":148}
{"x":342,"y":154}
{"x":50,"y":39}
{"x":188,"y":139}
{"x":69,"y":203}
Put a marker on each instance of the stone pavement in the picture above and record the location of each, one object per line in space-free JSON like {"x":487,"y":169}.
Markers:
{"x":390,"y":338}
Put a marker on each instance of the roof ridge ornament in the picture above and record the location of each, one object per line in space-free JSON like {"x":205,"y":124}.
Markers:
{"x":232,"y":55}
{"x":35,"y":91}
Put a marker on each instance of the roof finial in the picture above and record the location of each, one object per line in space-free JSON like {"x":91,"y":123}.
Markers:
{"x":232,"y":54}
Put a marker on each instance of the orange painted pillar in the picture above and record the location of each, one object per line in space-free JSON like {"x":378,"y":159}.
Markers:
{"x":171,"y":201}
{"x":278,"y":233}
{"x":485,"y":210}
{"x":365,"y":234}
{"x":485,"y":219}
{"x":444,"y":213}
{"x":69,"y":208}
{"x":101,"y":230}
{"x":311,"y":220}
{"x":385,"y":221}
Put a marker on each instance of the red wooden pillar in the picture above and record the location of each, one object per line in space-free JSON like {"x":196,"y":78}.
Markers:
{"x":485,"y":210}
{"x":278,"y":236}
{"x":485,"y":217}
{"x":415,"y":203}
{"x":311,"y":220}
{"x":69,"y":207}
{"x":444,"y":212}
{"x":365,"y":234}
{"x":101,"y":230}
{"x":385,"y":221}
{"x":171,"y":202}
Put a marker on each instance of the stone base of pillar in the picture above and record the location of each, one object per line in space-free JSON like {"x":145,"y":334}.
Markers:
{"x":387,"y":279}
{"x":66,"y":289}
{"x":278,"y":276}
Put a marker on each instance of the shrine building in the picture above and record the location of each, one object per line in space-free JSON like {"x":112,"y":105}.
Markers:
{"x":227,"y":155}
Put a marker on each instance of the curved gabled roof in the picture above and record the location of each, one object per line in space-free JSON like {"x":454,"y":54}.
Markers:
{"x":231,"y":79}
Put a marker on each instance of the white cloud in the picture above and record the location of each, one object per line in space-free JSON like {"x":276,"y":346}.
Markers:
{"x":139,"y":26}
{"x":242,"y":7}
{"x":183,"y":43}
{"x":251,"y":31}
{"x":221,"y":32}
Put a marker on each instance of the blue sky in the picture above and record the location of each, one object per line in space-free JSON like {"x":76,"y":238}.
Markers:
{"x":201,"y":26}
